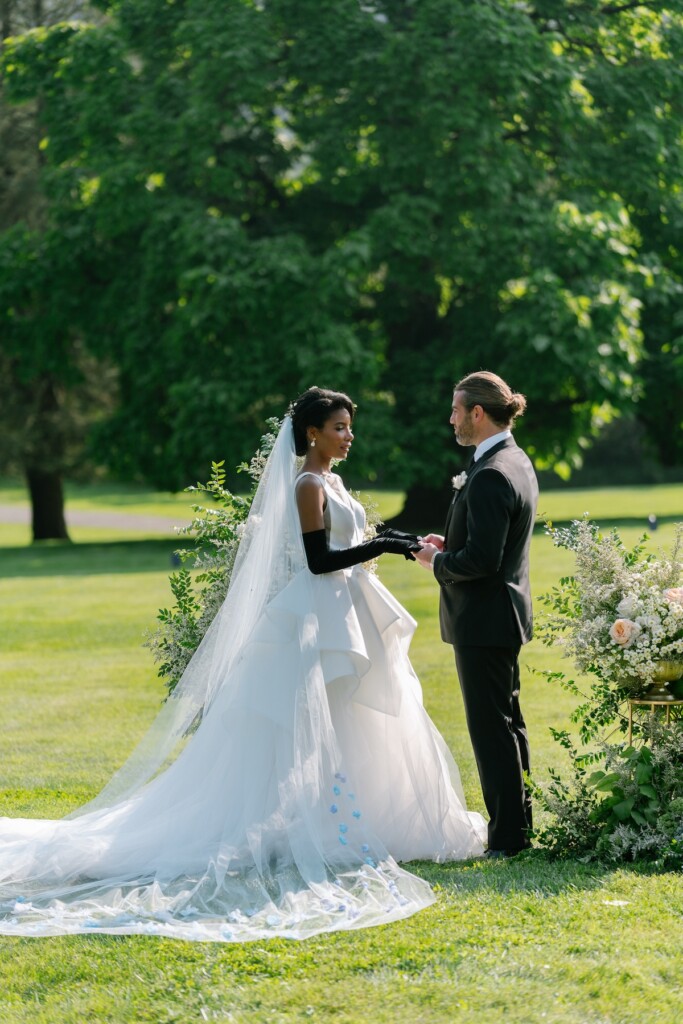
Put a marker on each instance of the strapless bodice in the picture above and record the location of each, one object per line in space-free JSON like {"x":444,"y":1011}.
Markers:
{"x":344,"y":516}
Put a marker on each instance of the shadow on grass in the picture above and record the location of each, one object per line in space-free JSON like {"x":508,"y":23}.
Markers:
{"x":532,"y":872}
{"x":87,"y":559}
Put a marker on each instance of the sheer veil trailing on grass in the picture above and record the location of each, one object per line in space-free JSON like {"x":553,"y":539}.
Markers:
{"x":289,"y":770}
{"x":270,"y":554}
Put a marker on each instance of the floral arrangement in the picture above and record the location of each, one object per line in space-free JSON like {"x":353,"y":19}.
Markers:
{"x":619,"y":617}
{"x":621,"y":614}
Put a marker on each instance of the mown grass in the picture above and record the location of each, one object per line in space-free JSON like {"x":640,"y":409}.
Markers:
{"x":521,"y":941}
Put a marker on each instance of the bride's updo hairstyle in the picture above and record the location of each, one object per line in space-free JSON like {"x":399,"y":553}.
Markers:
{"x":313,"y":409}
{"x":496,"y":398}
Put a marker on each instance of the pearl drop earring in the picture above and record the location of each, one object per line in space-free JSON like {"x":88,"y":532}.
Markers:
{"x":313,"y":443}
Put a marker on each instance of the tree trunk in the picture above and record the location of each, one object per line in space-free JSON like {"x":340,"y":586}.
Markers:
{"x":425,"y":509}
{"x":5,"y":19}
{"x":47,"y":505}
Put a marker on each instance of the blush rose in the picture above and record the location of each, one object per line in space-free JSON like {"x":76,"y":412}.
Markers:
{"x":624,"y":632}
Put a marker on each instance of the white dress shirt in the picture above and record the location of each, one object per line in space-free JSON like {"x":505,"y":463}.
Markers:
{"x":484,"y":446}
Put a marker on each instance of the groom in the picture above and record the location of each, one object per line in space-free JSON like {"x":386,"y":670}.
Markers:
{"x":482,"y":566}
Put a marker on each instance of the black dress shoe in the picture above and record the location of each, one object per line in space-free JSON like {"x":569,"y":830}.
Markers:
{"x":498,"y":854}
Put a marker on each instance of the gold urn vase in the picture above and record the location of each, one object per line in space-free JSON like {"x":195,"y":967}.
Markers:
{"x":665,"y":673}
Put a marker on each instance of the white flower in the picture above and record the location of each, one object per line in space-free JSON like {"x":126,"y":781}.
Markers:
{"x":651,"y":622}
{"x":459,"y":481}
{"x":628,"y":607}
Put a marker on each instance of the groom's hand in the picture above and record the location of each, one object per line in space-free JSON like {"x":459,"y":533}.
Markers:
{"x":434,"y":538}
{"x":425,"y":555}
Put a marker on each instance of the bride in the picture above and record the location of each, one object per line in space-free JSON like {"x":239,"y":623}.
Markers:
{"x":293,"y":766}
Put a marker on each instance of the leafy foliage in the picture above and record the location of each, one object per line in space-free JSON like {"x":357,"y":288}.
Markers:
{"x":631,"y":809}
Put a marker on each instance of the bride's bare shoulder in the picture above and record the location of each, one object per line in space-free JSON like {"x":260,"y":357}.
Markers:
{"x":309,"y":481}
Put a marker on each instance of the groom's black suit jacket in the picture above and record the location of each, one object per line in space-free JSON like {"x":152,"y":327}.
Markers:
{"x":484,"y":570}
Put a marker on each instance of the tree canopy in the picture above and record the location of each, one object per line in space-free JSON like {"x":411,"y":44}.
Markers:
{"x":252,"y":197}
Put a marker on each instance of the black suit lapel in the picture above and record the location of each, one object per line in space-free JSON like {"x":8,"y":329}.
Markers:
{"x":449,"y":515}
{"x":472,"y":468}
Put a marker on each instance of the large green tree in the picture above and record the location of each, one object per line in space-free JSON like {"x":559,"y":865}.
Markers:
{"x":377,"y":196}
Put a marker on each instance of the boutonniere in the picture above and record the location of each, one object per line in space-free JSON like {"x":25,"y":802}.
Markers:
{"x":459,"y":481}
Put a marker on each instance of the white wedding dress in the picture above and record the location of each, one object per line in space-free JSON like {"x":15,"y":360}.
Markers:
{"x":311,"y":769}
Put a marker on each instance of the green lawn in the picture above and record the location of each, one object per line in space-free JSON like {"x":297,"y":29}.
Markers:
{"x":524,"y":941}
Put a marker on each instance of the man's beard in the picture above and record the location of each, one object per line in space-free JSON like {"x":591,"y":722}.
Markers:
{"x":463,"y":434}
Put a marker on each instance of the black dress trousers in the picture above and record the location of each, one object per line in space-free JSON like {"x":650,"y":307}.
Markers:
{"x":489,"y":679}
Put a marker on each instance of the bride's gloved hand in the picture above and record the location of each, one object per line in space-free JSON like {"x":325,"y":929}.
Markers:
{"x":321,"y":559}
{"x":388,"y":531}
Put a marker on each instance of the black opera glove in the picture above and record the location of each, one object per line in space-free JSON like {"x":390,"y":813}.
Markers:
{"x":388,"y":531}
{"x":321,"y":559}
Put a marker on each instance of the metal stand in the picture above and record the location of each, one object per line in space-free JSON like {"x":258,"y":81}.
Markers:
{"x":652,"y":703}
